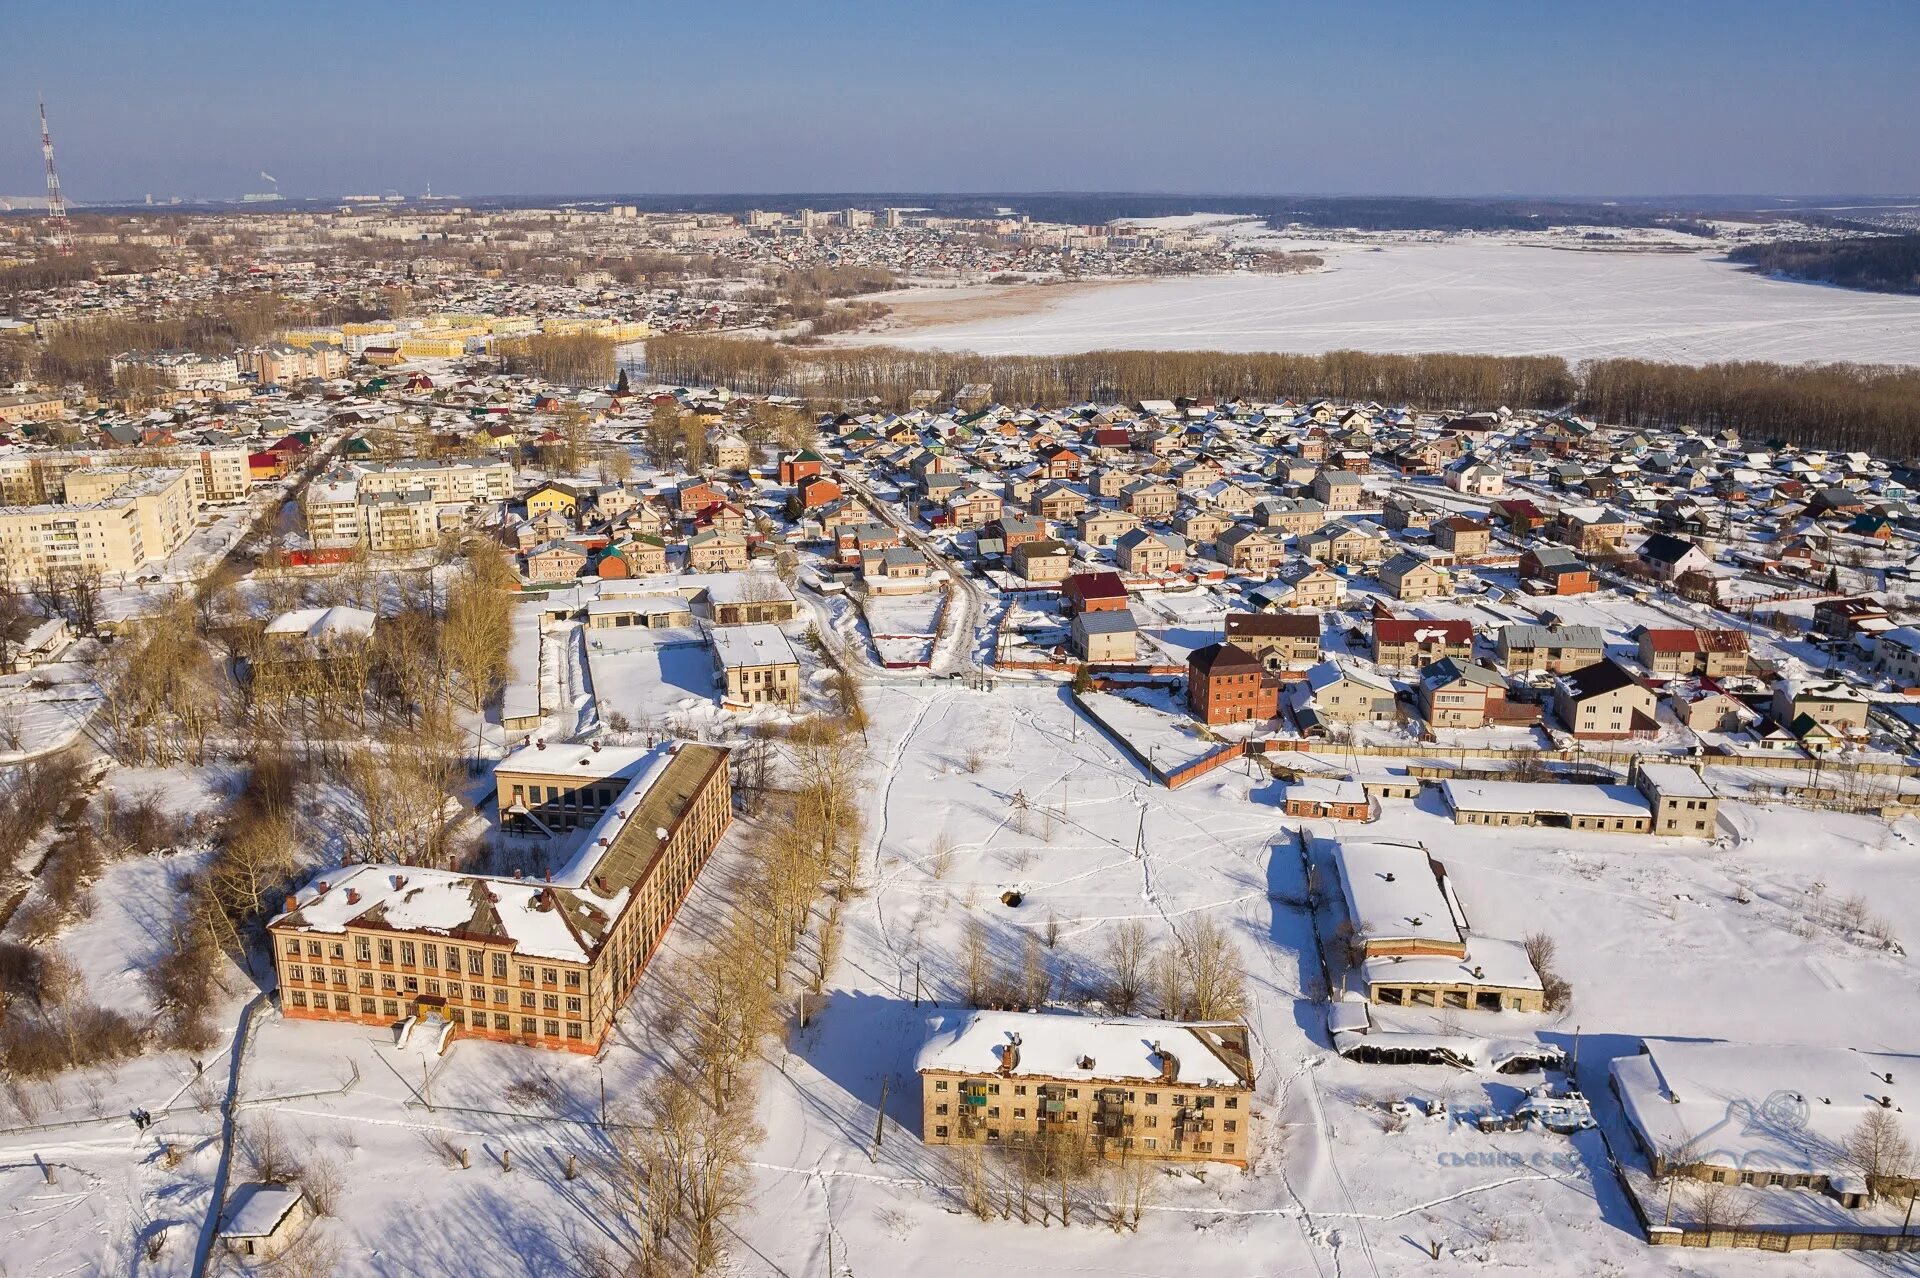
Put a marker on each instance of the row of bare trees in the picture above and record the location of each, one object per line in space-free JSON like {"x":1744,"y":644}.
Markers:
{"x":570,"y":359}
{"x":1198,"y":976}
{"x":677,"y":1167}
{"x":1853,"y":406}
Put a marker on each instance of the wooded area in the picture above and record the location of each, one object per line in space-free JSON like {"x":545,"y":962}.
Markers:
{"x":1882,"y":263}
{"x":1874,"y":408}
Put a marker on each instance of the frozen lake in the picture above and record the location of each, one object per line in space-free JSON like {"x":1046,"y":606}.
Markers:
{"x":1470,"y":296}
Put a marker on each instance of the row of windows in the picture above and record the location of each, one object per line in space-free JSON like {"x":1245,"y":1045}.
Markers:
{"x":427,"y":955}
{"x":390,"y":1007}
{"x":1179,"y":1100}
{"x":1017,"y":1137}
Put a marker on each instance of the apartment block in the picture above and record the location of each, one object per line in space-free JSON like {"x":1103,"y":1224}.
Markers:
{"x":1173,"y":1090}
{"x":452,"y":480}
{"x":540,"y":963}
{"x":116,"y":520}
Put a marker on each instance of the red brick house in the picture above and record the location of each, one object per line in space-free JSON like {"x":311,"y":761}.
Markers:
{"x":1228,"y":684}
{"x":804,"y":464}
{"x":1094,"y":592}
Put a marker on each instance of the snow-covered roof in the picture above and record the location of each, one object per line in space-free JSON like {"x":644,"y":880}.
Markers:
{"x":323,"y":623}
{"x":1089,"y":1049}
{"x":1676,"y":781}
{"x":565,"y":917}
{"x":1759,"y":1107}
{"x":1394,"y":892}
{"x":1489,"y":962}
{"x":754,"y":645}
{"x":1546,"y":796}
{"x":256,"y":1210}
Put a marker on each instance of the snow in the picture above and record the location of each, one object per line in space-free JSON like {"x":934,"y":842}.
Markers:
{"x":1120,"y":1049}
{"x":1471,"y":296}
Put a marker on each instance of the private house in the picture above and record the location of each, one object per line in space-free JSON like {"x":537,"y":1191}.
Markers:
{"x":1169,"y":1090}
{"x":1105,"y":527}
{"x":1555,"y":570}
{"x":1604,"y":702}
{"x":1342,"y":542}
{"x":1142,"y":553}
{"x":755,"y":665}
{"x":1462,"y":694}
{"x":1410,"y":939}
{"x":1228,"y":684}
{"x":1336,"y":693}
{"x":1250,"y":551}
{"x":1281,"y":640}
{"x":1555,"y":649}
{"x":1200,"y":524}
{"x":1338,"y":489}
{"x":561,"y":499}
{"x":1045,"y":562}
{"x":1670,"y":558}
{"x":1094,"y":592}
{"x":1466,"y":538}
{"x":797,"y":467}
{"x":1403,"y":643}
{"x":542,"y":963}
{"x":716,"y":551}
{"x":898,"y":570}
{"x":974,"y":508}
{"x":1703,"y":707}
{"x":1107,"y":637}
{"x":1714,"y":653}
{"x":1290,"y":516}
{"x":1594,"y":529}
{"x":1013,"y":531}
{"x":556,"y":561}
{"x":1316,"y":587}
{"x":1896,"y":654}
{"x":1149,"y":499}
{"x":1057,"y":501}
{"x":1832,"y":703}
{"x":1410,"y":576}
{"x":1476,"y":478}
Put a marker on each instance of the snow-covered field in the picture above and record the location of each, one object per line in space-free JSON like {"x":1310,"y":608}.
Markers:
{"x":1474,"y":296}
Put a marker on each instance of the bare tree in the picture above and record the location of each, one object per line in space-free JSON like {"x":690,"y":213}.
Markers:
{"x":1128,"y":955}
{"x":1879,"y":1150}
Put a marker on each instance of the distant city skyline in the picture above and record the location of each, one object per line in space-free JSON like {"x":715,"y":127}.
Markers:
{"x":201,"y":98}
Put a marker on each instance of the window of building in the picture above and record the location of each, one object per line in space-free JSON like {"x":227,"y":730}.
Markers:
{"x":366,"y":1006}
{"x":386,"y":951}
{"x":526,"y":972}
{"x":406,"y":954}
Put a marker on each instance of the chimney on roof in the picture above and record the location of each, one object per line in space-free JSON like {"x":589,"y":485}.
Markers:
{"x":600,"y":885}
{"x":292,"y":904}
{"x":1389,"y":876}
{"x":399,"y":881}
{"x":353,"y":896}
{"x":539,"y":745}
{"x":1086,"y":1062}
{"x":323,"y":885}
{"x":596,"y":747}
{"x":1010,"y":1055}
{"x":1169,"y":1064}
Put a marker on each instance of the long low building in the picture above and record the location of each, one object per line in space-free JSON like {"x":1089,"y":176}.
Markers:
{"x":1411,"y":944}
{"x":1765,"y":1116}
{"x":544,"y":963}
{"x":1173,"y":1090}
{"x":1666,"y":799}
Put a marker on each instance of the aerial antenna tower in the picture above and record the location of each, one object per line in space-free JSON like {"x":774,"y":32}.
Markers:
{"x":56,"y":206}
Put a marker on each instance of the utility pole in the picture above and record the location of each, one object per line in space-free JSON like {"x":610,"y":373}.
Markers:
{"x":880,"y":1119}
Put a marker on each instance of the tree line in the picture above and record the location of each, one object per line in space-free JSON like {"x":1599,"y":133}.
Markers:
{"x":1882,"y":263}
{"x":571,"y":359}
{"x":1873,"y":408}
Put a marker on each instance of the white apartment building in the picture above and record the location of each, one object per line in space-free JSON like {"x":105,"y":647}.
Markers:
{"x":116,"y":520}
{"x":453,"y":480}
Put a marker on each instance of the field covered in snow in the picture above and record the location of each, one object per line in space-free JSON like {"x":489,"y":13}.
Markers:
{"x":1471,"y":296}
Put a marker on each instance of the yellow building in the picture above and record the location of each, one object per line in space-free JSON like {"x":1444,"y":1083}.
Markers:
{"x":1114,"y":1086}
{"x":115,"y":520}
{"x":418,"y":347}
{"x":544,"y":963}
{"x":554,"y":497}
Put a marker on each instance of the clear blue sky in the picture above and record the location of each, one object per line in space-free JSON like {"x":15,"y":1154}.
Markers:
{"x":195,"y":97}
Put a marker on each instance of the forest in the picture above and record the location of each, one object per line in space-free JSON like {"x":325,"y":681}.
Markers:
{"x":1880,"y":263}
{"x":1845,"y":406}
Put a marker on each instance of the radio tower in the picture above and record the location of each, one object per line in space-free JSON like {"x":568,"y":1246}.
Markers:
{"x":56,"y":206}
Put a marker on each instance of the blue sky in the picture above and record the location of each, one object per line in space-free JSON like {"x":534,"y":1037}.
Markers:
{"x":195,"y":97}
